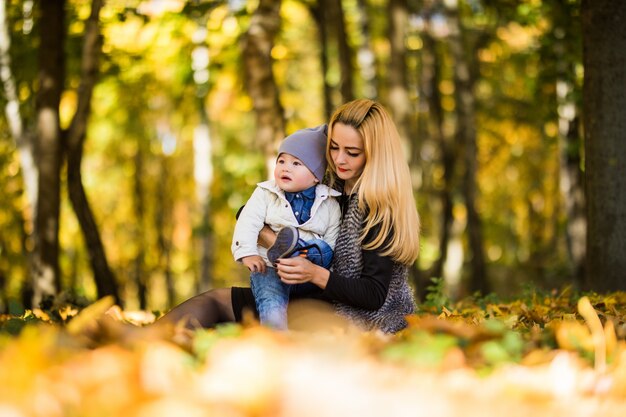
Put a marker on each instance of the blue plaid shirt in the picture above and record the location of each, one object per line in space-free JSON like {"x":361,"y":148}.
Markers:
{"x":301,"y":203}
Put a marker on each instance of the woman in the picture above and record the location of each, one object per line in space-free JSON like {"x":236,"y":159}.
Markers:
{"x":378,"y":240}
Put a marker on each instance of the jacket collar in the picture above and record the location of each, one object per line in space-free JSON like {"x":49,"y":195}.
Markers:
{"x":321,"y":190}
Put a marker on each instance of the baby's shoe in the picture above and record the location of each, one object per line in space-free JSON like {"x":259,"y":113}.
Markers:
{"x":286,"y":242}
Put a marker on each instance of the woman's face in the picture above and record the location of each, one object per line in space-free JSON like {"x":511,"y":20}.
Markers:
{"x":348,"y":153}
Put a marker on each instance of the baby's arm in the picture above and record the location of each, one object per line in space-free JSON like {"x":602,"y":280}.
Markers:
{"x":250,"y":222}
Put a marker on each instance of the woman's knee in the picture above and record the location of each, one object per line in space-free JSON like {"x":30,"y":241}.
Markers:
{"x":203,"y":310}
{"x":221,"y":302}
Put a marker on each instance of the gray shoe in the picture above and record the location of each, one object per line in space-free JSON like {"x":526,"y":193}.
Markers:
{"x":286,"y":242}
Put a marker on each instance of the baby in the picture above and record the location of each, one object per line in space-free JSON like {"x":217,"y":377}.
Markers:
{"x":303,"y":212}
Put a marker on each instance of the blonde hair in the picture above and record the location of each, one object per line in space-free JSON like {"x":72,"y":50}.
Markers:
{"x":384,"y":188}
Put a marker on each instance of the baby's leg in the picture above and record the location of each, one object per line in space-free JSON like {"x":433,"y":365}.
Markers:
{"x":317,"y":251}
{"x":271,"y":296}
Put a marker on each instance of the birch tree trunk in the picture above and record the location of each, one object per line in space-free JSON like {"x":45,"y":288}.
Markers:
{"x":22,"y":139}
{"x":203,"y":174}
{"x":571,"y":177}
{"x":203,"y":157}
{"x":51,"y":80}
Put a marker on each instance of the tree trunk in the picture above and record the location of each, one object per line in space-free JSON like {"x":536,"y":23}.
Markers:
{"x":163,"y":211}
{"x":139,"y":204}
{"x":431,"y":79}
{"x":572,"y":190}
{"x":319,"y":13}
{"x":563,"y":51}
{"x":206,"y":244}
{"x":337,"y":20}
{"x":367,"y":62}
{"x":23,"y":140}
{"x":46,"y":272}
{"x":204,"y":178}
{"x":257,"y":57}
{"x":604,"y":43}
{"x":203,"y":161}
{"x":105,"y":281}
{"x":399,"y":102}
{"x":466,"y":135}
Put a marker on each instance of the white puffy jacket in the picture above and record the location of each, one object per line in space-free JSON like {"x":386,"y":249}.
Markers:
{"x":268,"y":205}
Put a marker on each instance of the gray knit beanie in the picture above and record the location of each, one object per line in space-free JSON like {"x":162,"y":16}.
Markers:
{"x":309,"y":146}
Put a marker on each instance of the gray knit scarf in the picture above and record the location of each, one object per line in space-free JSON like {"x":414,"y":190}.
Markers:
{"x":348,"y":262}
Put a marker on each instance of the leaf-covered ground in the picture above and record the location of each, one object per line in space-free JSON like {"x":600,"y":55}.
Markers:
{"x":546,"y":355}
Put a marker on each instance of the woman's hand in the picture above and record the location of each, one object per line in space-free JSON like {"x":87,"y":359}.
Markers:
{"x":299,"y":270}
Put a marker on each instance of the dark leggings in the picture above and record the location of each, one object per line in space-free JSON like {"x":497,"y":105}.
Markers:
{"x":204,"y":310}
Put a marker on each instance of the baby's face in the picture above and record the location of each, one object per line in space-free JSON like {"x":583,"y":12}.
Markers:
{"x":292,"y":175}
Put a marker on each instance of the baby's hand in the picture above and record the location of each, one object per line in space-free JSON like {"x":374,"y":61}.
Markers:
{"x":254,"y":263}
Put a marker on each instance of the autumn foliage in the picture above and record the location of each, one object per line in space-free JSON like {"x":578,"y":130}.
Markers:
{"x":549,"y":354}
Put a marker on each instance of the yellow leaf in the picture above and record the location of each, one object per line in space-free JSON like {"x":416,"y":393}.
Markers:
{"x":67,"y":312}
{"x":89,"y":316}
{"x":572,"y":335}
{"x":445,"y":312}
{"x":597,"y":331}
{"x":610,"y":337}
{"x":40,"y":314}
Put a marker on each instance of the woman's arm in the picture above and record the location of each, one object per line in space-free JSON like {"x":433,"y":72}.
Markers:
{"x":369,"y":292}
{"x":267,"y":237}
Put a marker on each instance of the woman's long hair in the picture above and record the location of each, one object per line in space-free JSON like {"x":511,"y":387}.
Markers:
{"x":384,"y":188}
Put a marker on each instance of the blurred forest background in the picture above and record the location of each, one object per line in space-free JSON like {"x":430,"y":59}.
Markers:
{"x":134,"y":130}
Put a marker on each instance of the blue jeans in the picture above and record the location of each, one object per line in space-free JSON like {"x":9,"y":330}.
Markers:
{"x":317,"y":252}
{"x":272,"y":295}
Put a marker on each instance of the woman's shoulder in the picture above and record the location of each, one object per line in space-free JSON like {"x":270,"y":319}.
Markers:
{"x":373,"y":233}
